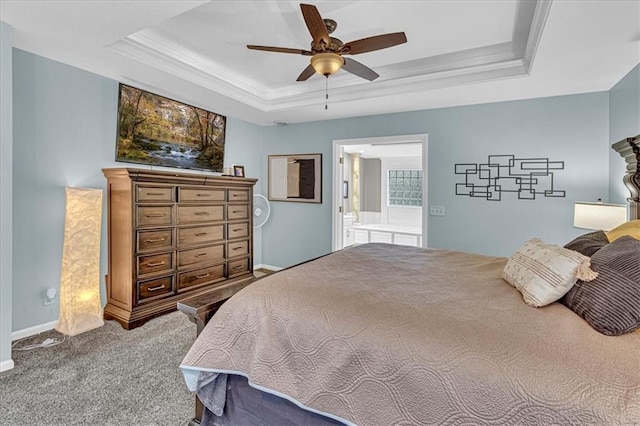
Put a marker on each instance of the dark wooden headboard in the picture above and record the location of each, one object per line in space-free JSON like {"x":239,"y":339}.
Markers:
{"x":629,"y":149}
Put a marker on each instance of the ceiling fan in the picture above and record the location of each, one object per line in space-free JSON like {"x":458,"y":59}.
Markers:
{"x":327,"y":52}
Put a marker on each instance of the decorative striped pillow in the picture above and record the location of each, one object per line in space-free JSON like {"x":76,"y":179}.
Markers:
{"x":611,"y":302}
{"x":543,"y":273}
{"x":588,"y":244}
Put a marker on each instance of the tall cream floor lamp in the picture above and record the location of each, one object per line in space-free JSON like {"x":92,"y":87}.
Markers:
{"x":80,"y":306}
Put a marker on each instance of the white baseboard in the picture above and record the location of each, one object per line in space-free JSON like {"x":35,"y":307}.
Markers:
{"x":269,"y":267}
{"x":32,"y":331}
{"x":6,"y":365}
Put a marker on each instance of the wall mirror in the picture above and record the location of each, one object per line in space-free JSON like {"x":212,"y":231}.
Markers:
{"x":295,"y":177}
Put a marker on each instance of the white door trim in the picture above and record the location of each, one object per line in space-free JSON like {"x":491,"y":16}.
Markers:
{"x":336,"y":188}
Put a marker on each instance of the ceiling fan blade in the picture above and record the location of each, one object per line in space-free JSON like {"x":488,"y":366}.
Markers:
{"x":280,"y":49}
{"x":355,"y":67}
{"x":315,"y":23}
{"x":304,"y":75}
{"x":370,"y":44}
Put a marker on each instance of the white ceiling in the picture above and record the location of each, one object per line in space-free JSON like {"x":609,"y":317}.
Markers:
{"x":459,"y":52}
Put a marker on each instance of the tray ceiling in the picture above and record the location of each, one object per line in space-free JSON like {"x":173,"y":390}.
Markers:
{"x":457,"y":53}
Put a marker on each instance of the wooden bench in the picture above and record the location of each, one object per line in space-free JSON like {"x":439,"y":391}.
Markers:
{"x":200,"y":309}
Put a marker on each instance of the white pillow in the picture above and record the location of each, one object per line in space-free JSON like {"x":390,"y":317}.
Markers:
{"x":543,"y":273}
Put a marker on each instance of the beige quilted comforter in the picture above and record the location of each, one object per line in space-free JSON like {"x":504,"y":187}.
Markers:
{"x":389,"y":335}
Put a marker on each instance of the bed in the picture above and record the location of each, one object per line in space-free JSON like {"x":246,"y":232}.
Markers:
{"x":417,"y":336}
{"x":380,"y":334}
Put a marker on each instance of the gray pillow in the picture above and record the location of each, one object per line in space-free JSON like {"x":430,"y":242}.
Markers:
{"x":588,"y":244}
{"x":611,"y":302}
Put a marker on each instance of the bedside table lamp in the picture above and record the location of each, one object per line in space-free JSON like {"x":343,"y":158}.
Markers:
{"x":80,"y":307}
{"x":599,"y":215}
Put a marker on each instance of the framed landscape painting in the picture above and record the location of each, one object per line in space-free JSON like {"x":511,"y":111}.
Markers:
{"x":159,"y":131}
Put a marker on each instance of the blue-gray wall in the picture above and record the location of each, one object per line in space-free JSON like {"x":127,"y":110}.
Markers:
{"x":624,"y":122}
{"x":64,"y":134}
{"x":573,"y":129}
{"x":64,"y":131}
{"x":6,"y":191}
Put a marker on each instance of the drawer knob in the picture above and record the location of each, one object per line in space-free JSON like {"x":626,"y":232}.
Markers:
{"x":204,"y":194}
{"x":200,"y":234}
{"x":160,"y":287}
{"x":155,"y":214}
{"x":237,"y":211}
{"x":155,"y":193}
{"x":237,"y":248}
{"x":155,"y":264}
{"x":202,"y":213}
{"x":237,"y":230}
{"x":156,"y":240}
{"x":235,"y":268}
{"x":199,"y":277}
{"x":201,"y":254}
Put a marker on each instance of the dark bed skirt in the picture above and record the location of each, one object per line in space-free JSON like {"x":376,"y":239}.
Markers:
{"x":249,"y":406}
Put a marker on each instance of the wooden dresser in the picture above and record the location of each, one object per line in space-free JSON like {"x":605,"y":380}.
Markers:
{"x":173,"y":236}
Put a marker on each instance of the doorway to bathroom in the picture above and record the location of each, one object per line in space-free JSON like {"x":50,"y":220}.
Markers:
{"x":379,"y":191}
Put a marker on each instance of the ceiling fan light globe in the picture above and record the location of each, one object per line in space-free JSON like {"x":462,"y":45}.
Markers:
{"x":327,"y":63}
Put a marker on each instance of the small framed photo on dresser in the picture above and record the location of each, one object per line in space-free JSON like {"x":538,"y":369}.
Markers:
{"x":238,"y":171}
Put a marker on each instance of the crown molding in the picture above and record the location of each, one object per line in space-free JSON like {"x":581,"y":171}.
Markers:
{"x":150,"y":51}
{"x":395,"y":87}
{"x":500,"y":61}
{"x":538,"y":22}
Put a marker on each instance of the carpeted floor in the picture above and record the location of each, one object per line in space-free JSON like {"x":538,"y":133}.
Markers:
{"x":106,"y":376}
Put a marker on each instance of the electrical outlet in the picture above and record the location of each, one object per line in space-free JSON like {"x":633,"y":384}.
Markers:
{"x":436,"y":211}
{"x":48,"y":296}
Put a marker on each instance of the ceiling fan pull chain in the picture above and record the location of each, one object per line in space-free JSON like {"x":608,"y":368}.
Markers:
{"x":326,"y":91}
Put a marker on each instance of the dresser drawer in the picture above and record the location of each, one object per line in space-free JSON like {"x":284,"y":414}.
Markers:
{"x":201,"y":194}
{"x":237,"y":230}
{"x":145,"y":194}
{"x":201,"y":255}
{"x":239,"y":248}
{"x":154,"y":240}
{"x":238,"y":195}
{"x":198,"y":214}
{"x":237,"y":211}
{"x":201,"y":276}
{"x":154,"y":263}
{"x":154,"y":288}
{"x":200,"y":235}
{"x":154,"y":216}
{"x":238,"y":267}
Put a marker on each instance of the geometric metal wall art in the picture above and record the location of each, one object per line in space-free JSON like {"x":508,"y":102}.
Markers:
{"x":527,"y":177}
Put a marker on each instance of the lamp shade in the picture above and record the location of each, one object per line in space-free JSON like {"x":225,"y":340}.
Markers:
{"x":327,"y":63}
{"x":80,"y":306}
{"x":599,"y":215}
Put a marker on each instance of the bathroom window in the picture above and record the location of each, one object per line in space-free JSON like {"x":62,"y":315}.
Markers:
{"x":405,"y":188}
